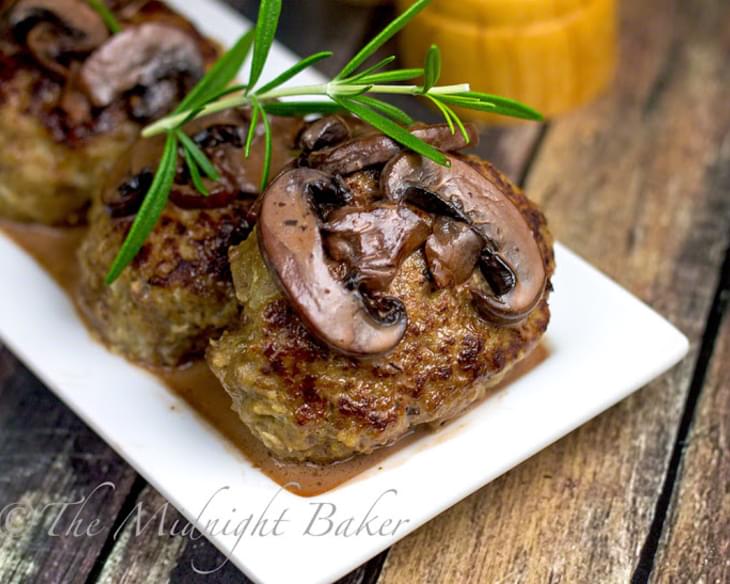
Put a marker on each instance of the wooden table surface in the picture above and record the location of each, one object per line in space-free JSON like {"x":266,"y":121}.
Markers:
{"x":639,"y":184}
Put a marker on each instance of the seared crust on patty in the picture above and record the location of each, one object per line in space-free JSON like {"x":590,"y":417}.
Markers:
{"x":58,"y":148}
{"x":308,"y":402}
{"x":43,"y":179}
{"x":176,"y":294}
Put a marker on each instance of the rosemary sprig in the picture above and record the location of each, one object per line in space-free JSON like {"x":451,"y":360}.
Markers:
{"x":153,"y":204}
{"x":106,"y":15}
{"x":352,"y":90}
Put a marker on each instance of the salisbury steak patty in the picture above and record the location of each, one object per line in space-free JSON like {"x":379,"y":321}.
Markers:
{"x":73,"y":97}
{"x":178,"y":292}
{"x":307,"y":401}
{"x":175,"y":295}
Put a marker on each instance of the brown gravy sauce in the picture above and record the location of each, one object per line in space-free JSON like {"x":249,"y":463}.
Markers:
{"x":55,"y":250}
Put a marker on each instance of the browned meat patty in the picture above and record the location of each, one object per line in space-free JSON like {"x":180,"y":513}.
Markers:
{"x":63,"y":127}
{"x":307,"y":401}
{"x":178,"y":291}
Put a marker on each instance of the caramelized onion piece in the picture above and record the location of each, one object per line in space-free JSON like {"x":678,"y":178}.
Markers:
{"x":481,"y":201}
{"x":452,"y":252}
{"x":375,"y":242}
{"x":291,"y":243}
{"x":161,"y":60}
{"x":373,"y":149}
{"x":53,"y":29}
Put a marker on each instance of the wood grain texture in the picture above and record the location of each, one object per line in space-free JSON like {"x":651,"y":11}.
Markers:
{"x":695,"y":546}
{"x":154,"y":544}
{"x":49,"y":457}
{"x":634,"y":183}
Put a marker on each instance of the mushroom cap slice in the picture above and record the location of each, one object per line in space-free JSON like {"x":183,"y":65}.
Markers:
{"x":54,"y":28}
{"x":291,"y":243}
{"x":452,"y":252}
{"x":324,"y":132}
{"x":140,"y":56}
{"x":375,"y":241}
{"x":514,"y":267}
{"x":373,"y":149}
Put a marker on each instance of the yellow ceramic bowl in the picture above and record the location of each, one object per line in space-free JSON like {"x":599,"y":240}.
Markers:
{"x":551,"y":54}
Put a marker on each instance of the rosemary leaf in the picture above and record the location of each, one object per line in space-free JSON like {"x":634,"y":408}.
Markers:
{"x":432,"y":68}
{"x":372,"y":69}
{"x":199,"y":156}
{"x":390,"y":76}
{"x":295,"y":70}
{"x":107,"y":15}
{"x":492,"y":103}
{"x":220,"y":75}
{"x":266,"y":25}
{"x":385,"y":35}
{"x":226,"y":92}
{"x":393,"y":130}
{"x":444,"y":112}
{"x":150,"y":211}
{"x":267,"y":149}
{"x":458,"y":122}
{"x":388,"y":109}
{"x":251,"y":133}
{"x":195,"y":173}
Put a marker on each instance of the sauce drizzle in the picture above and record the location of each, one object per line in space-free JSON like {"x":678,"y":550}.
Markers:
{"x":54,"y":249}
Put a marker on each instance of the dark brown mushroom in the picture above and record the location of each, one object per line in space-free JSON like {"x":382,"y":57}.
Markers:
{"x":324,"y":132}
{"x":291,"y":243}
{"x":57,"y":30}
{"x":373,"y":149}
{"x":452,"y":252}
{"x":157,"y":62}
{"x":481,"y":201}
{"x":132,"y":177}
{"x":375,"y":242}
{"x":222,"y":137}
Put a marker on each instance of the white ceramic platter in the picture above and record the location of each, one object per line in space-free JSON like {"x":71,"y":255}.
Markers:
{"x":596,"y":358}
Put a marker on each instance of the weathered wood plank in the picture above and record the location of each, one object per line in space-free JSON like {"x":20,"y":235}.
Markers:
{"x":151,"y":547}
{"x":696,"y":542}
{"x":635,"y":184}
{"x":49,"y":457}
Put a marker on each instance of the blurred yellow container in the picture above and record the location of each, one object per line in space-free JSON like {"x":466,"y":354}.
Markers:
{"x":553,"y":55}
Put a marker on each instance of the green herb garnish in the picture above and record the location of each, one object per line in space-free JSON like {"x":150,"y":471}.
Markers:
{"x":106,"y":15}
{"x":351,"y":90}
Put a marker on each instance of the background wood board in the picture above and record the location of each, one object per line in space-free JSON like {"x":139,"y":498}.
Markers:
{"x":48,"y":456}
{"x":695,"y":546}
{"x":635,"y":184}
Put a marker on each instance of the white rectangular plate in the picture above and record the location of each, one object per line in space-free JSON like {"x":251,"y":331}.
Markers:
{"x":190,"y":463}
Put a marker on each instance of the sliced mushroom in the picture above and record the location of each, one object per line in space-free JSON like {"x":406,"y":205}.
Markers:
{"x":291,"y":243}
{"x":373,"y":149}
{"x":138,"y":59}
{"x":132,"y":177}
{"x":452,"y":252}
{"x":53,"y":30}
{"x":222,"y":137}
{"x":375,"y":242}
{"x":324,"y":132}
{"x":482,"y":202}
